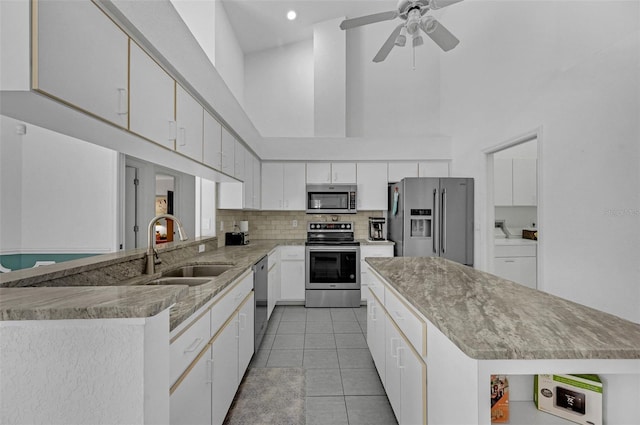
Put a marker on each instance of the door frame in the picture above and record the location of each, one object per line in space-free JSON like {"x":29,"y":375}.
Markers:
{"x":489,"y":152}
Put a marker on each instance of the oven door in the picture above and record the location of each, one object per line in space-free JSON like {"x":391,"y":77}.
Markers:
{"x":332,"y":267}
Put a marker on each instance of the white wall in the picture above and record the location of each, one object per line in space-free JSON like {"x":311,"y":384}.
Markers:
{"x":570,"y":67}
{"x":57,"y":177}
{"x":279,"y":95}
{"x":229,"y":56}
{"x":14,"y":45}
{"x":200,"y":17}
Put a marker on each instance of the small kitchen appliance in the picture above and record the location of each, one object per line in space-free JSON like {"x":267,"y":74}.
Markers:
{"x":236,"y":238}
{"x":377,"y":229}
{"x":331,"y":199}
{"x":332,"y":277}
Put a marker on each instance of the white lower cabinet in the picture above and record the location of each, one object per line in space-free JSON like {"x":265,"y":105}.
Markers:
{"x":371,"y":251}
{"x":517,"y":263}
{"x":204,"y":388}
{"x":292,"y":273}
{"x":273,"y":294}
{"x":402,"y":369}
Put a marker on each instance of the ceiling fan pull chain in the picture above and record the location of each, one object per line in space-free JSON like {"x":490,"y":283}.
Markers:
{"x":413,"y":59}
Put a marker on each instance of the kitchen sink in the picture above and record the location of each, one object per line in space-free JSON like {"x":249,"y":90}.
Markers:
{"x":199,"y":270}
{"x":190,"y":281}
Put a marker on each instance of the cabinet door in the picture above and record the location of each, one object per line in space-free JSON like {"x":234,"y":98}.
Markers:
{"x":502,"y":181}
{"x":246,"y":337}
{"x":189,"y":121}
{"x":376,"y":335}
{"x":318,"y":172}
{"x":413,"y":386}
{"x":433,"y":169}
{"x":343,"y":172}
{"x":521,"y":270}
{"x":272,"y":186}
{"x":82,"y":59}
{"x":248,"y":180}
{"x":372,"y":186}
{"x":525,"y":182}
{"x":274,"y":288}
{"x":212,"y":141}
{"x":294,"y":187}
{"x":152,"y":99}
{"x":224,"y":370}
{"x":292,"y":284}
{"x":399,"y":170}
{"x":228,"y":152}
{"x":190,"y":401}
{"x":238,"y":160}
{"x":257,"y":183}
{"x":392,"y":367}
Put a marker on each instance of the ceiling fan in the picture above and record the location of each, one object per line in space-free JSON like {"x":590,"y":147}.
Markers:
{"x":412,"y":12}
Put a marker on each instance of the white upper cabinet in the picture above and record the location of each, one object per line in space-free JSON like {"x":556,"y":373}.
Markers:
{"x":152,"y":99}
{"x":257,"y":183}
{"x":283,"y":186}
{"x":326,"y":172}
{"x":525,"y":185}
{"x":228,"y":153}
{"x":372,"y":186}
{"x":399,"y":170}
{"x":238,"y":159}
{"x":433,"y":169}
{"x":212,"y":140}
{"x":189,"y":121}
{"x":502,"y":181}
{"x":82,"y":59}
{"x":515,"y":182}
{"x":248,"y":180}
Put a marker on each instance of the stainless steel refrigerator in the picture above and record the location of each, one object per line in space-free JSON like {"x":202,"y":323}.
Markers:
{"x":432,"y":217}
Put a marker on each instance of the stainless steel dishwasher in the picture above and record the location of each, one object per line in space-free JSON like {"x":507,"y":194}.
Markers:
{"x":260,"y":288}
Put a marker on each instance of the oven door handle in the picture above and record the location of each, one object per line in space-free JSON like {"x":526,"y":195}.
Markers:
{"x":333,"y":248}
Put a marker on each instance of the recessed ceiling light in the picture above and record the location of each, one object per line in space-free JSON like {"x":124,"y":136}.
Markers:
{"x":291,"y":15}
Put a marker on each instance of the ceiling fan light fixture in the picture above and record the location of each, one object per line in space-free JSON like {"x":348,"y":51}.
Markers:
{"x":417,"y":40}
{"x":291,"y":15}
{"x":429,"y":25}
{"x":401,"y":39}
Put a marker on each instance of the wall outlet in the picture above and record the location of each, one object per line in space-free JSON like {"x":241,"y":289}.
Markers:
{"x":201,"y":247}
{"x":294,"y":223}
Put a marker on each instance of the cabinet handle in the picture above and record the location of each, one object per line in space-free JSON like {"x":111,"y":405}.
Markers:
{"x":335,"y":176}
{"x":243,"y":321}
{"x":399,"y":357}
{"x":394,"y":349}
{"x":398,"y":315}
{"x":193,"y":346}
{"x":172,"y":130}
{"x":183,"y":136}
{"x":509,"y":261}
{"x":122,"y":102}
{"x":210,"y":362}
{"x":373,"y":314}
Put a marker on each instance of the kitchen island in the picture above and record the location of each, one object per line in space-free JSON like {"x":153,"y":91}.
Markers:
{"x":476,"y":325}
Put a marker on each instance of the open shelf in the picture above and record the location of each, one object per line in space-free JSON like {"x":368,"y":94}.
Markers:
{"x":526,"y":413}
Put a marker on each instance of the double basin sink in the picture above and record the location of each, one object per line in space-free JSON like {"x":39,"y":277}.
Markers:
{"x":193,"y":275}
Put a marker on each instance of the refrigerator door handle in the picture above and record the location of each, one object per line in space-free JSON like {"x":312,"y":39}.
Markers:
{"x":443,"y":231}
{"x":434,"y":221}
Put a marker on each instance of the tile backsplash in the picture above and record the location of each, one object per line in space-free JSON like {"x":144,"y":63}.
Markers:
{"x":280,"y":224}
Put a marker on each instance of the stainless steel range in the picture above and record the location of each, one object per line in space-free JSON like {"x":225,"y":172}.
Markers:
{"x":333,"y":265}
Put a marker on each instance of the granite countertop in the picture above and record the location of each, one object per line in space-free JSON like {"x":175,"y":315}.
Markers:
{"x":131,"y":298}
{"x":488,"y":317}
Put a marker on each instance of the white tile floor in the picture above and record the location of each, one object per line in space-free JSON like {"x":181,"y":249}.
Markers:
{"x":342,"y":385}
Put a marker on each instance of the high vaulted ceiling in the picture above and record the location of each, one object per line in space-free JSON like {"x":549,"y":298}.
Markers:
{"x":262,"y":24}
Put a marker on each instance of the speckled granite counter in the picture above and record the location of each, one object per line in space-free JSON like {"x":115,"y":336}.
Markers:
{"x":90,"y":294}
{"x":488,"y":317}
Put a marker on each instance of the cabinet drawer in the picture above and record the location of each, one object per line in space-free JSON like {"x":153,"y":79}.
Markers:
{"x":224,"y":307}
{"x":375,"y":284}
{"x":413,"y":328}
{"x":185,"y":348}
{"x":291,"y":253}
{"x":514,"y":251}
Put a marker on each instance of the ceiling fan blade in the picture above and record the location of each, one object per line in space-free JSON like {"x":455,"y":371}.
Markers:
{"x":439,"y":34}
{"x":439,"y":4}
{"x":388,"y":45}
{"x":368,"y":19}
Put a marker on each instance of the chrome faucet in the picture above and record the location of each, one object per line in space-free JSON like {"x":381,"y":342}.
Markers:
{"x":152,"y":254}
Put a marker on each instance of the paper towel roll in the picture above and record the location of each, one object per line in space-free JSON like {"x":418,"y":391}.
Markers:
{"x":244,"y":226}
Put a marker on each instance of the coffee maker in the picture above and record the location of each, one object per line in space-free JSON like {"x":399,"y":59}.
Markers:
{"x":377,"y":230}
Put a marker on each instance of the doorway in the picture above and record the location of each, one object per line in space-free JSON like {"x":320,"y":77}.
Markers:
{"x":513,"y":209}
{"x":164,"y":204}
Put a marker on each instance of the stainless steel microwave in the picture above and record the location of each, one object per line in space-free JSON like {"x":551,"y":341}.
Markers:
{"x":331,"y":198}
